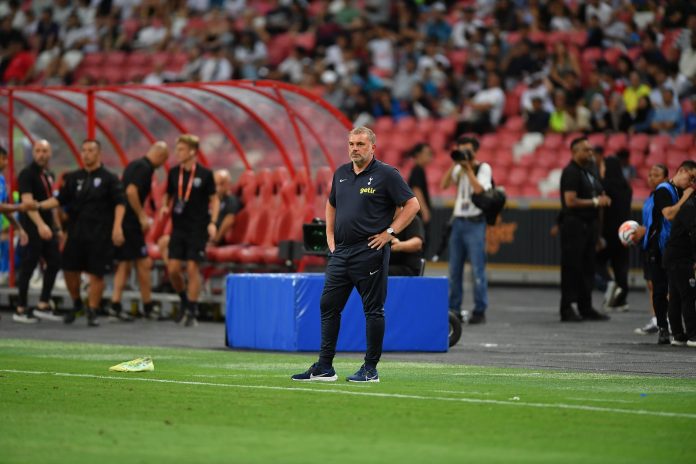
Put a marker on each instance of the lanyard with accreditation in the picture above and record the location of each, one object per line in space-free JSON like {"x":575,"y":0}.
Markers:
{"x":182,"y":198}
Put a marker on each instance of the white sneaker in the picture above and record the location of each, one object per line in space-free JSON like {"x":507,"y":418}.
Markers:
{"x":47,"y":315}
{"x":60,"y":281}
{"x":24,"y":318}
{"x":610,"y":293}
{"x":649,"y":328}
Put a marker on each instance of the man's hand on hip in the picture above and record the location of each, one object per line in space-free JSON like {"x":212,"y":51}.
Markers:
{"x":378,"y":241}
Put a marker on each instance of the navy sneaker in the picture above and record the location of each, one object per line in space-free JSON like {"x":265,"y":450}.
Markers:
{"x":316,"y":373}
{"x":364,"y":374}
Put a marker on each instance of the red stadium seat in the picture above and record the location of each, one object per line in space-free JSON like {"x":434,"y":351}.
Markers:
{"x":634,"y":53}
{"x":438,"y":140}
{"x":503,"y":156}
{"x":384,"y":124}
{"x":514,"y":124}
{"x":517,"y":177}
{"x":683,"y":142}
{"x":616,"y":142}
{"x":553,"y":141}
{"x":457,"y":60}
{"x":611,"y":55}
{"x":447,"y":126}
{"x":597,"y":140}
{"x":92,"y":59}
{"x":489,"y":141}
{"x":660,"y":141}
{"x":530,"y":191}
{"x":139,"y":59}
{"x":591,"y":55}
{"x":406,"y":125}
{"x":115,"y":59}
{"x":639,"y":142}
{"x":425,"y":126}
{"x":508,"y":140}
{"x":577,"y":38}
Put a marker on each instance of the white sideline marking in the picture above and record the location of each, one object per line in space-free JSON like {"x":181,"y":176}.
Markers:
{"x":577,"y":407}
{"x":602,"y":401}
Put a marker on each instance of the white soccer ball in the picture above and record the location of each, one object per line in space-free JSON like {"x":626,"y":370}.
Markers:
{"x":627,"y":232}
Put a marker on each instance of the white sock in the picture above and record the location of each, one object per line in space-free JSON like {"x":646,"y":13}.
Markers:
{"x":653,"y":320}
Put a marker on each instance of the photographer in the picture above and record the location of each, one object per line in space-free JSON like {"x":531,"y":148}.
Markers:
{"x":468,"y":236}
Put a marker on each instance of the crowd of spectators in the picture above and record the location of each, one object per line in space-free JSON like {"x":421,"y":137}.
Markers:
{"x":566,"y":65}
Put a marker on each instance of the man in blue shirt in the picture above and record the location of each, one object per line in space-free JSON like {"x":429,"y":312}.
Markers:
{"x":668,"y":119}
{"x":360,"y":224}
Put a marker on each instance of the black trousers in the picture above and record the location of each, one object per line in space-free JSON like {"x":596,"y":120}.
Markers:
{"x":615,"y":255}
{"x":366,"y":269}
{"x":658,"y":274}
{"x":682,"y":296}
{"x":578,"y":240}
{"x":36,"y":249}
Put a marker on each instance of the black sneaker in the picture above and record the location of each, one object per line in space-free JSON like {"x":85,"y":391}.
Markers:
{"x":91,"y":318}
{"x":569,"y":315}
{"x":679,"y":340}
{"x":594,"y":315}
{"x":316,"y":373}
{"x":477,"y":318}
{"x":691,"y":342}
{"x":69,"y":317}
{"x":663,"y":337}
{"x":115,"y":315}
{"x":190,"y":320}
{"x":364,"y":374}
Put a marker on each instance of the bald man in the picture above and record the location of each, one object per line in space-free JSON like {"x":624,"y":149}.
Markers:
{"x":137,"y":180}
{"x":229,"y":205}
{"x":44,"y":231}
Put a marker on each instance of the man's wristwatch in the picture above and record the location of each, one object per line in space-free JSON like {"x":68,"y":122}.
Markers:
{"x":595,"y":202}
{"x":390,"y":230}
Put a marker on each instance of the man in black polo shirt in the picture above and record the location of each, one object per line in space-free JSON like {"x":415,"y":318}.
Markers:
{"x":43,"y":229}
{"x":360,"y":224}
{"x":581,"y":198}
{"x":679,"y":259}
{"x":407,"y":250}
{"x":191,"y":188}
{"x":667,"y":200}
{"x":229,"y":205}
{"x":137,"y":181}
{"x":94,"y":197}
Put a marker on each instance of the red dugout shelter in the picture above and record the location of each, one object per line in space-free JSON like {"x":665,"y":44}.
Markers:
{"x":243,"y":125}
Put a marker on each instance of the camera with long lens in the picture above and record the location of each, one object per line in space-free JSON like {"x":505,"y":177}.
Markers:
{"x":461,"y":155}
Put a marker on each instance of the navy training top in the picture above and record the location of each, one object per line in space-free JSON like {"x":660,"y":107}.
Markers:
{"x":365,"y":203}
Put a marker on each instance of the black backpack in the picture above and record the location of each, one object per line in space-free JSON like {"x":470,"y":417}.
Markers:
{"x":491,"y":201}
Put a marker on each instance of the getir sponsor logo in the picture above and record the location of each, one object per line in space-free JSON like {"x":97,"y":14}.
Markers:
{"x":368,"y":190}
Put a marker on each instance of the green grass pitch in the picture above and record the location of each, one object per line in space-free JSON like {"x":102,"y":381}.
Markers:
{"x":60,"y":404}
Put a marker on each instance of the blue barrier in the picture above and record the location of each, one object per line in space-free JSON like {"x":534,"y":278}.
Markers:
{"x":281,"y":312}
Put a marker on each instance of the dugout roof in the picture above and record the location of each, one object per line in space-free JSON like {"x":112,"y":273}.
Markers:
{"x":242,"y":124}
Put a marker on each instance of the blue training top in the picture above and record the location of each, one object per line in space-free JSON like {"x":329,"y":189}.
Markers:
{"x":648,"y":217}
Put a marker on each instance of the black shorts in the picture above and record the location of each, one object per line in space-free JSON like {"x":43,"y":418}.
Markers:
{"x":134,"y":246}
{"x":187,"y":247}
{"x":92,"y":256}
